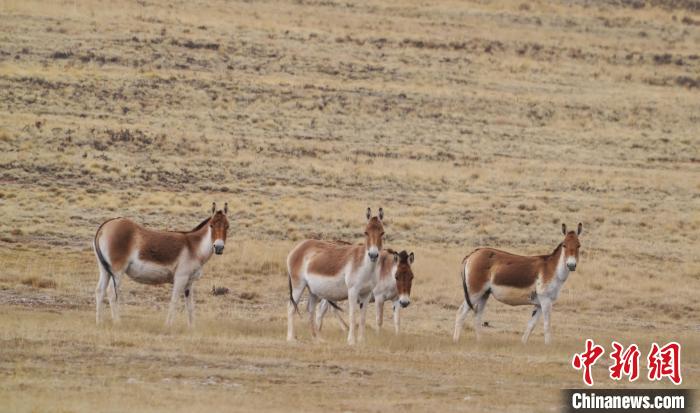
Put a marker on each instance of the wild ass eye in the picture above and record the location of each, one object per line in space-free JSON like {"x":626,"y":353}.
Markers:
{"x":366,"y":233}
{"x":382,"y":234}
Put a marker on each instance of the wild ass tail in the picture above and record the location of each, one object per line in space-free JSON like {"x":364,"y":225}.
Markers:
{"x":291,"y":297}
{"x":334,"y":305}
{"x":464,"y":283}
{"x":105,"y":264}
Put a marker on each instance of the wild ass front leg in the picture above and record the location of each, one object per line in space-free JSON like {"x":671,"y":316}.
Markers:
{"x":546,"y":311}
{"x":179,"y":285}
{"x":364,"y":303}
{"x":352,"y":305}
{"x":397,"y":317}
{"x":532,"y":323}
{"x":379,"y":303}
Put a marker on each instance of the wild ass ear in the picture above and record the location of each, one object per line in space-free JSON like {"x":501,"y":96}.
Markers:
{"x":396,"y":256}
{"x":381,"y":214}
{"x":411,"y":258}
{"x":225,"y":207}
{"x":213,"y":208}
{"x":579,"y":229}
{"x":563,"y":228}
{"x":369,"y":213}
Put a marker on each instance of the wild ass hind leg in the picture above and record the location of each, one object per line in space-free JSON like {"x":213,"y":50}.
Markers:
{"x":343,"y":324}
{"x":311,"y":309}
{"x":532,"y":323}
{"x":100,"y":294}
{"x":479,"y":306}
{"x":462,"y":313}
{"x":113,"y":297}
{"x":322,"y":310}
{"x":297,"y":291}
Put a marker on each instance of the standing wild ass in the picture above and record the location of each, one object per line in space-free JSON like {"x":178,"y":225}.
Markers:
{"x":156,"y":257}
{"x":335,"y":271}
{"x":395,"y":280}
{"x":517,"y":280}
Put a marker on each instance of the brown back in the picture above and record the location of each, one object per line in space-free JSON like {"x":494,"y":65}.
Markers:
{"x":328,"y":258}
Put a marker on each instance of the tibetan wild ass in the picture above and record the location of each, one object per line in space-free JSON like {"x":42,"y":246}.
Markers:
{"x":156,"y":257}
{"x":517,"y":280}
{"x":335,"y":271}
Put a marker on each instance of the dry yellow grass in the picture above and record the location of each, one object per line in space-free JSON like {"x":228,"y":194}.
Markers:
{"x":471,"y":123}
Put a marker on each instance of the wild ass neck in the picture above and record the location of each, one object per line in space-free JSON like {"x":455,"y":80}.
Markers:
{"x":561,"y":271}
{"x":204,"y":244}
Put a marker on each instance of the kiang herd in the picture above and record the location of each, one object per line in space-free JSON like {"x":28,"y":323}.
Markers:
{"x":331,"y":271}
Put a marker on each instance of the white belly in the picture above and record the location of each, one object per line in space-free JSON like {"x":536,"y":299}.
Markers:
{"x":330,"y":288}
{"x":149,"y":273}
{"x":513,"y":295}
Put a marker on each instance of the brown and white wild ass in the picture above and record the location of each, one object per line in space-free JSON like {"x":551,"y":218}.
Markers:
{"x":335,"y":271}
{"x":156,"y":257}
{"x":395,"y":281}
{"x":517,"y":280}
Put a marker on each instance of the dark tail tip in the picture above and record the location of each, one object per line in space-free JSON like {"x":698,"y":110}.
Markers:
{"x":464,"y":286}
{"x":334,"y":305}
{"x":291,"y":297}
{"x":106,"y":266}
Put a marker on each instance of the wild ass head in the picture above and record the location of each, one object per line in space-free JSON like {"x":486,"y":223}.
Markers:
{"x":374,"y":234}
{"x":571,"y":246}
{"x":404,"y":276}
{"x":219,"y":227}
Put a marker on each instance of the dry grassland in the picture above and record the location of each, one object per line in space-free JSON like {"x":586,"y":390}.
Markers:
{"x":471,"y":123}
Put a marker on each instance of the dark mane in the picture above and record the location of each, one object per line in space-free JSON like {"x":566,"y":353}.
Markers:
{"x":201,"y":225}
{"x":555,"y":250}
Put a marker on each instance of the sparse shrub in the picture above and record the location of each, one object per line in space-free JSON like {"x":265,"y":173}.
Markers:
{"x":219,"y":290}
{"x":61,"y":55}
{"x":250,"y":296}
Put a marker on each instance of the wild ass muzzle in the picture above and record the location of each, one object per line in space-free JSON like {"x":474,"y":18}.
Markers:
{"x":336,"y":271}
{"x":517,"y":280}
{"x":395,"y":281}
{"x":156,"y":257}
